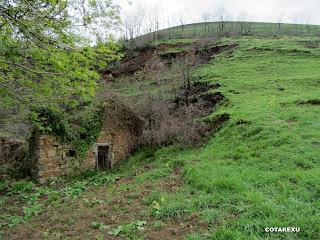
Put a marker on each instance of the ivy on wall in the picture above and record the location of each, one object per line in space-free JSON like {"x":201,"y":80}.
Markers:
{"x":80,"y":132}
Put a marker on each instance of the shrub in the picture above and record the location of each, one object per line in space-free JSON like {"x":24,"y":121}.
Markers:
{"x":167,"y":125}
{"x":21,"y":187}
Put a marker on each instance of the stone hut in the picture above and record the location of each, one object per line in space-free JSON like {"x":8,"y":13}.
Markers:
{"x":118,"y":138}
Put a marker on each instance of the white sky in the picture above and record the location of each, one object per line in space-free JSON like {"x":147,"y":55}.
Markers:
{"x":257,"y":10}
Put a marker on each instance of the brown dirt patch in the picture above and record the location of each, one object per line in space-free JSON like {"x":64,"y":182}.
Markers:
{"x":178,"y":229}
{"x":310,"y":102}
{"x":199,"y":94}
{"x":112,"y":205}
{"x":208,"y":53}
{"x":137,"y":60}
{"x":131,"y":64}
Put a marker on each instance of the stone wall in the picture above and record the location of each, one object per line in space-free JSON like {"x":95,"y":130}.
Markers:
{"x":53,"y":159}
{"x":121,"y":143}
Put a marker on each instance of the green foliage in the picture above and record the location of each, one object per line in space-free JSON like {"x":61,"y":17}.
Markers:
{"x":95,"y":178}
{"x":42,"y":64}
{"x":81,"y":133}
{"x":163,"y":206}
{"x":33,"y":199}
{"x":127,"y":229}
{"x":21,"y":187}
{"x":90,"y":124}
{"x":171,"y":209}
{"x":52,"y":120}
{"x":259,"y":166}
{"x":153,"y":197}
{"x":174,"y":50}
{"x":75,"y":189}
{"x":102,"y":179}
{"x":15,"y":220}
{"x":98,"y":225}
{"x":197,"y":237}
{"x":188,"y":33}
{"x":261,"y":169}
{"x":3,"y":185}
{"x":32,"y":210}
{"x":158,"y":225}
{"x":173,"y":42}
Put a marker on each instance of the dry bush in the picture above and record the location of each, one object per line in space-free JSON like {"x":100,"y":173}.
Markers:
{"x":193,"y":130}
{"x":173,"y":114}
{"x":170,"y":102}
{"x":11,"y":151}
{"x":161,"y":126}
{"x":167,"y":124}
{"x":183,"y":66}
{"x":12,"y":158}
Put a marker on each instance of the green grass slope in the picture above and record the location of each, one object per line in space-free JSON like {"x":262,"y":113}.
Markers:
{"x":260,"y":170}
{"x":233,"y":28}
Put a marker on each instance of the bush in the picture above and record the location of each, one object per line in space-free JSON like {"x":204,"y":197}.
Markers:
{"x":167,"y":125}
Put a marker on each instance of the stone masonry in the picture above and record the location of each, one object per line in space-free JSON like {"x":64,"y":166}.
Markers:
{"x":120,"y":134}
{"x":51,"y":158}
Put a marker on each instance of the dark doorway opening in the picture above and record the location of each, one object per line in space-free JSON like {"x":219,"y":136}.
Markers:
{"x":104,"y":160}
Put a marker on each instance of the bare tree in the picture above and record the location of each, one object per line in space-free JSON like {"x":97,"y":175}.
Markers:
{"x":152,"y":20}
{"x":182,"y":18}
{"x":183,"y":66}
{"x":206,"y":17}
{"x":221,"y":16}
{"x":244,"y":24}
{"x":295,"y":20}
{"x":156,"y":12}
{"x":306,"y":20}
{"x":133,"y":23}
{"x":299,"y":21}
{"x":280,"y":21}
{"x":154,"y":70}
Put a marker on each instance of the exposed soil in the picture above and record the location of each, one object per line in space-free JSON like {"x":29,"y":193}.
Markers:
{"x":208,"y":53}
{"x":266,"y":49}
{"x":136,"y":61}
{"x":310,"y":102}
{"x":219,"y":121}
{"x":172,"y":184}
{"x":131,"y":64}
{"x":199,"y":93}
{"x":243,"y":122}
{"x":69,"y":219}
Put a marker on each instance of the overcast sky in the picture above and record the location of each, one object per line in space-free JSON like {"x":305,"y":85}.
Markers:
{"x":266,"y":10}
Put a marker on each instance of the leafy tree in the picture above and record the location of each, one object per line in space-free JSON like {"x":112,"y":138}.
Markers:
{"x":94,"y":18}
{"x":46,"y":59}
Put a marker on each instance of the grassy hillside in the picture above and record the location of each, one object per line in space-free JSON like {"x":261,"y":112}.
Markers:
{"x":233,"y":28}
{"x":260,"y":170}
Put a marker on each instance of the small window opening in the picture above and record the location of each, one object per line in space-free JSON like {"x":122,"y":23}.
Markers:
{"x":71,"y":153}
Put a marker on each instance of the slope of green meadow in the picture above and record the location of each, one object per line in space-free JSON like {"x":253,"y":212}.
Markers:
{"x":261,"y":169}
